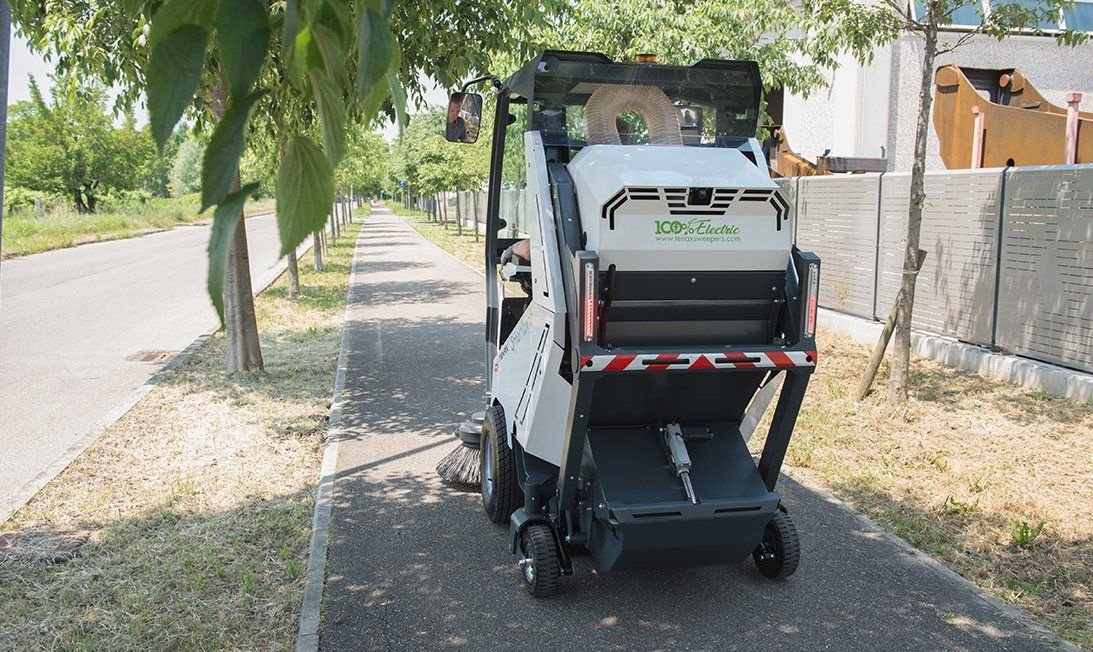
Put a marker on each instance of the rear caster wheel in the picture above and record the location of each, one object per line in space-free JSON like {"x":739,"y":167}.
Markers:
{"x":539,"y":566}
{"x":501,"y":493}
{"x":780,"y":552}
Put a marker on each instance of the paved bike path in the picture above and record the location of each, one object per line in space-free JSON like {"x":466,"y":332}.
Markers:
{"x":414,"y":564}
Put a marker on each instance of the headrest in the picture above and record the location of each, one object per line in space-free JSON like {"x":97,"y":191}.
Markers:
{"x":609,"y":100}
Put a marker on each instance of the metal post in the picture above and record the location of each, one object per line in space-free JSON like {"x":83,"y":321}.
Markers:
{"x":1072,"y":102}
{"x":5,"y":50}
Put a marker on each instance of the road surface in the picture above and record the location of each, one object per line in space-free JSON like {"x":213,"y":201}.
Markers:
{"x":415,"y":565}
{"x":71,"y":319}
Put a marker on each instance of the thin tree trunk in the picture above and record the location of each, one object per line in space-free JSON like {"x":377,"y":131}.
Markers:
{"x":882,"y":343}
{"x":293,"y":268}
{"x":317,"y":251}
{"x":293,"y":276}
{"x":901,"y":341}
{"x":458,"y":216}
{"x":244,"y":351}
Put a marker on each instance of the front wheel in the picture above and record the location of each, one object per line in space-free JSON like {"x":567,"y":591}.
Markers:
{"x":539,"y":566}
{"x":501,"y":493}
{"x":780,"y":552}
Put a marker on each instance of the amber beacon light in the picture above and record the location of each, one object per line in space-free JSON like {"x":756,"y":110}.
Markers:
{"x":645,"y":58}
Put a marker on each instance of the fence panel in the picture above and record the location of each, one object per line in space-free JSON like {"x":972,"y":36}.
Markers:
{"x":954,"y":294}
{"x":838,"y":221}
{"x":1045,"y":309}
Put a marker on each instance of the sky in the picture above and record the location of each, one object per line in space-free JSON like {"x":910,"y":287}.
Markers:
{"x":23,"y":64}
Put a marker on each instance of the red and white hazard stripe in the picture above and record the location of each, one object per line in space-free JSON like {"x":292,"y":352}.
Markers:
{"x":693,"y":361}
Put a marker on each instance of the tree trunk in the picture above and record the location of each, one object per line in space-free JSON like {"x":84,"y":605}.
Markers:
{"x":244,"y":351}
{"x":901,"y":341}
{"x":293,"y":268}
{"x":293,"y":276}
{"x":458,"y":216}
{"x":317,"y":251}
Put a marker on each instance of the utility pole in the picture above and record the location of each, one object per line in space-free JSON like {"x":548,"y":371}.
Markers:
{"x":5,"y":52}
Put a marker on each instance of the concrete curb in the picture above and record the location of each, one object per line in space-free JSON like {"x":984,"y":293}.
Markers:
{"x":919,"y":557}
{"x":307,"y":638}
{"x":31,"y":489}
{"x":1051,"y":379}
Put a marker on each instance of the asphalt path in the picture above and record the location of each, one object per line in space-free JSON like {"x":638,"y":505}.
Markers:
{"x":414,"y":564}
{"x":72,"y":319}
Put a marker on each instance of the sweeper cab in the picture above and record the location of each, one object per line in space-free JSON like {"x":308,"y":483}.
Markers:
{"x":642,"y":289}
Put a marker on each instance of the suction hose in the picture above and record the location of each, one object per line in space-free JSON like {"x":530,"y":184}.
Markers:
{"x":609,"y":100}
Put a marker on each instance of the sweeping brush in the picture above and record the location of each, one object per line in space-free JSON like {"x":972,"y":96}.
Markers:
{"x":463,"y":464}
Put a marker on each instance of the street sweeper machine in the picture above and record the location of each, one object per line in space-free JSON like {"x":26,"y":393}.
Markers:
{"x":645,"y":301}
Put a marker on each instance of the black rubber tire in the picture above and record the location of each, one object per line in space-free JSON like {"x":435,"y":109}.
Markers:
{"x":780,"y":552}
{"x":501,"y":493}
{"x":541,"y":569}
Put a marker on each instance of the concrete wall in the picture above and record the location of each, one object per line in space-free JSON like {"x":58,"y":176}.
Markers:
{"x":871,"y":110}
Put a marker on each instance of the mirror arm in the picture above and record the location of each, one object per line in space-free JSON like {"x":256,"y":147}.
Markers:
{"x":493,"y":79}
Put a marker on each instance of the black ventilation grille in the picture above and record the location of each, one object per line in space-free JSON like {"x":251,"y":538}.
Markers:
{"x":676,"y":199}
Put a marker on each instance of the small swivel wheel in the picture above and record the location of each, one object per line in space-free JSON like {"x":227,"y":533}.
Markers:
{"x":780,"y":552}
{"x":539,"y":565}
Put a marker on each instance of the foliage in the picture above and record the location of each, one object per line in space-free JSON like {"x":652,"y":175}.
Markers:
{"x":430,"y":164}
{"x":793,"y":44}
{"x":69,"y":146}
{"x":186,"y":168}
{"x":156,"y":178}
{"x":338,"y":60}
{"x":1024,"y":534}
{"x":367,"y":163}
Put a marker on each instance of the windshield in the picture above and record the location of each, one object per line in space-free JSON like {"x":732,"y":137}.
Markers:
{"x":580,"y":100}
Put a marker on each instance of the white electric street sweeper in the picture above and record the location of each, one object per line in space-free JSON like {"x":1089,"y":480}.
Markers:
{"x":644,"y":301}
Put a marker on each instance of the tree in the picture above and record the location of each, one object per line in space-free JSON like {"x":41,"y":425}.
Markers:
{"x":1002,"y":20}
{"x":70,"y":147}
{"x":211,"y":55}
{"x":186,"y":168}
{"x":158,"y":167}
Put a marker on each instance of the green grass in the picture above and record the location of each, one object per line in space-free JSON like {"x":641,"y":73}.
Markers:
{"x":59,"y":228}
{"x":199,"y":499}
{"x":465,"y":247}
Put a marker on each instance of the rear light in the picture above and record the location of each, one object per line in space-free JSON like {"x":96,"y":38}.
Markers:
{"x":589,"y":315}
{"x":811,"y":299}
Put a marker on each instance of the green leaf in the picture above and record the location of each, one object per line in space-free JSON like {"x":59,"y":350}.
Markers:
{"x":225,"y":219}
{"x":243,"y":39}
{"x":377,"y":47}
{"x":332,"y":113}
{"x":223,"y":151}
{"x":330,"y":49}
{"x":398,"y":98}
{"x":290,"y":28}
{"x":176,"y":13}
{"x":305,"y":192}
{"x":298,"y":67}
{"x":174,"y":71}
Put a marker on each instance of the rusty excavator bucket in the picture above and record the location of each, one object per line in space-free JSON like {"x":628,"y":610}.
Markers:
{"x":1018,"y":126}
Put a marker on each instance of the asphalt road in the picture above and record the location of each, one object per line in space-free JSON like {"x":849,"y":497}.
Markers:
{"x":414,"y":564}
{"x":71,"y":319}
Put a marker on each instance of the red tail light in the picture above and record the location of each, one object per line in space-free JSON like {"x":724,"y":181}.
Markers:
{"x":811,"y":299}
{"x":589,"y":316}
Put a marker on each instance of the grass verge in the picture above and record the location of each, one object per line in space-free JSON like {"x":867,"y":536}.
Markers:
{"x":24,"y":234}
{"x":199,"y":499}
{"x":990,"y":478}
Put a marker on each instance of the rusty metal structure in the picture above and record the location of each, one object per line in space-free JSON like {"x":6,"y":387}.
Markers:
{"x":997,"y":118}
{"x":784,"y":162}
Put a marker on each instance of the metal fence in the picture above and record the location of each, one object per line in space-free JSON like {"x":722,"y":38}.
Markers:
{"x":1009,"y":254}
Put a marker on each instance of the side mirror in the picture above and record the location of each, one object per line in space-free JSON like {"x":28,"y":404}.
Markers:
{"x":464,"y":117}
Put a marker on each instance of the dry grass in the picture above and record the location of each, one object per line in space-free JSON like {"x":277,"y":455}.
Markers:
{"x":199,"y":498}
{"x":958,"y":471}
{"x":464,"y":247}
{"x":965,"y":471}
